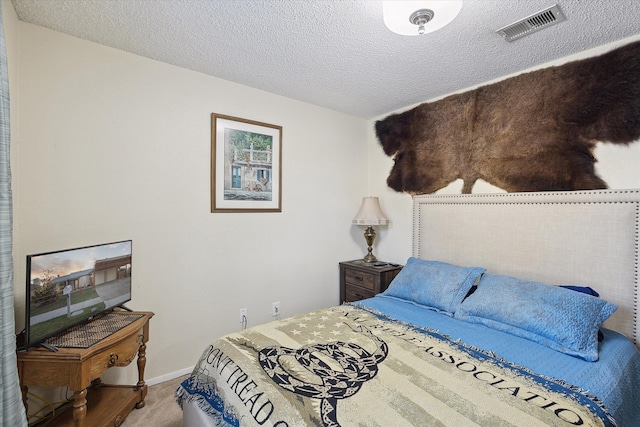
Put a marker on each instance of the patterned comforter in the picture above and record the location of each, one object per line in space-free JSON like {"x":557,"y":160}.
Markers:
{"x":349,"y":365}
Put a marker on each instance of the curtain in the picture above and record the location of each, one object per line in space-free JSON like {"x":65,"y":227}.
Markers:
{"x":12,"y":412}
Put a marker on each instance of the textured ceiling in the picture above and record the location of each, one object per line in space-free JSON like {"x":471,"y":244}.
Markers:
{"x":336,"y":54}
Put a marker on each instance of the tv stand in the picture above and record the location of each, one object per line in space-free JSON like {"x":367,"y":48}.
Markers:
{"x":94,"y":404}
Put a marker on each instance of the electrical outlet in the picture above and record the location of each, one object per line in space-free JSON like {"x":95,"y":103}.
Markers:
{"x":275,"y":309}
{"x":243,"y":315}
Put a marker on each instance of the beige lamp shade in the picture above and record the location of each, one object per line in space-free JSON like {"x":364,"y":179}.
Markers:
{"x":370,"y":213}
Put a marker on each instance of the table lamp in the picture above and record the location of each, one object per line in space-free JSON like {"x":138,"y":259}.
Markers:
{"x":370,"y":214}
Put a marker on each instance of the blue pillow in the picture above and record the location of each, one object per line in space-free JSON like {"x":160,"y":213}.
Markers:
{"x":586,"y":290}
{"x":558,"y":318}
{"x":434,"y":284}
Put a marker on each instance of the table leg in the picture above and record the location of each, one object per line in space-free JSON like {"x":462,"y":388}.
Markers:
{"x":79,"y":407}
{"x":142,"y":362}
{"x":25,"y":391}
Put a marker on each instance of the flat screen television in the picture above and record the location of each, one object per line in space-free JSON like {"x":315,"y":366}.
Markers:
{"x":68,"y":287}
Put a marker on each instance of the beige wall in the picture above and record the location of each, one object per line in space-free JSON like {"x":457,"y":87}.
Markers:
{"x":109,"y":146}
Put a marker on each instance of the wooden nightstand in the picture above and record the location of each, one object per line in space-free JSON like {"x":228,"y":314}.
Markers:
{"x":360,"y":280}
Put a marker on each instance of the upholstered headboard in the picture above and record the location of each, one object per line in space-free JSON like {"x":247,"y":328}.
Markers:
{"x":587,"y":238}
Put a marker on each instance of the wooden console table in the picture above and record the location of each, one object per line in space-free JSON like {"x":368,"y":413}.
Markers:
{"x":80,"y":370}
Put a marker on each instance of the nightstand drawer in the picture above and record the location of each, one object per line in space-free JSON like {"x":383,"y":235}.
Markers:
{"x":360,"y":279}
{"x":355,"y":293}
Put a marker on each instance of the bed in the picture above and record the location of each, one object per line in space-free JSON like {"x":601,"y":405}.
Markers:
{"x":517,"y":309}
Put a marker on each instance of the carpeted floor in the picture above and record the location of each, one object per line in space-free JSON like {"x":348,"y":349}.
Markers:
{"x":160,"y":409}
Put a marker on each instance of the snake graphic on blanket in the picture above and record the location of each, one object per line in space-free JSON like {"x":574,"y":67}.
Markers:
{"x":348,"y":365}
{"x":357,"y":364}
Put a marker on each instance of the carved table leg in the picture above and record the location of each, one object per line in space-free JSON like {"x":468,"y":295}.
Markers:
{"x":142,"y":362}
{"x":79,"y":407}
{"x":25,"y":391}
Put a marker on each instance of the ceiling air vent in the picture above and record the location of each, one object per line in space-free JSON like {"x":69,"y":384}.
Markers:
{"x":531,"y":24}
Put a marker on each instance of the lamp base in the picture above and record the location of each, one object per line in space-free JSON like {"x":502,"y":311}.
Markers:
{"x":370,"y":258}
{"x":369,"y":236}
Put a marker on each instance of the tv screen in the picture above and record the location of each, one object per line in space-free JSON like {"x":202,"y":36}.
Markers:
{"x":71,"y":286}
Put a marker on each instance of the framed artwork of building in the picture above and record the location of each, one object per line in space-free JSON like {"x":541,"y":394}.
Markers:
{"x":246,"y":165}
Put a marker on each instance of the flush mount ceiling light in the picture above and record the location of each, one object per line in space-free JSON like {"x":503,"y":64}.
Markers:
{"x":413,"y":18}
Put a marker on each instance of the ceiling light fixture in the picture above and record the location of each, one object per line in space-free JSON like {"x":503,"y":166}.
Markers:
{"x":412,"y":18}
{"x":421,"y":18}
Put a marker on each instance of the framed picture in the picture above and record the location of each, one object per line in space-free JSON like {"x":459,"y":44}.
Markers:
{"x":246,"y":165}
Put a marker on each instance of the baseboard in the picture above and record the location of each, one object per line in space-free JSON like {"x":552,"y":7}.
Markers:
{"x":169,"y":376}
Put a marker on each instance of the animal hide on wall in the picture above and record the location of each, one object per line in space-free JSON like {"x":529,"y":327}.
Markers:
{"x":532,"y":132}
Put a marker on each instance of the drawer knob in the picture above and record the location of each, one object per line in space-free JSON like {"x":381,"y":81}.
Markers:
{"x":359,"y":295}
{"x":113,"y":359}
{"x":360,"y":278}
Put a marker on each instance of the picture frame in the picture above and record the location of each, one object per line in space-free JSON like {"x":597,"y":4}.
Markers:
{"x":246,"y":165}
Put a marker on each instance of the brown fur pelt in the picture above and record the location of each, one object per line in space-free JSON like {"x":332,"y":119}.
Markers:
{"x":532,"y":132}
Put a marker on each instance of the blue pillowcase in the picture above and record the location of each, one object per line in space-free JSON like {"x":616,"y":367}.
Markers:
{"x":434,"y":284}
{"x":586,"y":290}
{"x":558,"y":318}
